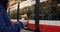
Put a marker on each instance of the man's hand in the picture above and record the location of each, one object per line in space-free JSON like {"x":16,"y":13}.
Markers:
{"x":24,"y":21}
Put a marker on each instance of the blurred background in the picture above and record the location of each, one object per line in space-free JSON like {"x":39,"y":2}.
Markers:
{"x":48,"y":10}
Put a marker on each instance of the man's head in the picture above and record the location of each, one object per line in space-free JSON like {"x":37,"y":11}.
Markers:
{"x":4,"y":3}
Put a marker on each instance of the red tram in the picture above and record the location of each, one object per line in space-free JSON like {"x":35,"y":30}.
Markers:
{"x":49,"y":18}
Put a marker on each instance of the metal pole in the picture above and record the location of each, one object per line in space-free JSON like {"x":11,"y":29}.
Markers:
{"x":37,"y":15}
{"x":18,"y":10}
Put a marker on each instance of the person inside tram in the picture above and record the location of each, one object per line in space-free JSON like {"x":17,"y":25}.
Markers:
{"x":5,"y":22}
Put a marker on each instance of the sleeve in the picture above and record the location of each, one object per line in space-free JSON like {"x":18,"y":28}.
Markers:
{"x":14,"y":28}
{"x":5,"y":23}
{"x":9,"y":27}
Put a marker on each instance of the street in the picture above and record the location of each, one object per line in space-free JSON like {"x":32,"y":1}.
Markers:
{"x":22,"y":30}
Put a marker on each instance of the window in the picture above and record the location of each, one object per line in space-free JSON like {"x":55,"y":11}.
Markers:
{"x":49,"y":11}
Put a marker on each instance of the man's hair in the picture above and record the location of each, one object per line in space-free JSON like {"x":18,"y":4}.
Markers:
{"x":4,"y":3}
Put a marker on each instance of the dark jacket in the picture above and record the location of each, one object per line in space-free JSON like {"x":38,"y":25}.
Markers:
{"x":5,"y":23}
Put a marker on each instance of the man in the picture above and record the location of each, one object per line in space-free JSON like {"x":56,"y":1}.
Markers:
{"x":5,"y":23}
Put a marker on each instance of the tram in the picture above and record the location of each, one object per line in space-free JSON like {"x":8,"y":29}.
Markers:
{"x":46,"y":18}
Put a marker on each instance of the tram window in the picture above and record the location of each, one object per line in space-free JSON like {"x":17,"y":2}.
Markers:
{"x":29,"y":11}
{"x":49,"y":11}
{"x":26,"y":12}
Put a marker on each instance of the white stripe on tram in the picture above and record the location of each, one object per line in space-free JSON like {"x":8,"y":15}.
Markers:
{"x":46,"y":22}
